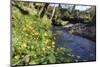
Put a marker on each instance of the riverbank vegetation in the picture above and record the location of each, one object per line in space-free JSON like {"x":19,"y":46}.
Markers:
{"x":32,"y":38}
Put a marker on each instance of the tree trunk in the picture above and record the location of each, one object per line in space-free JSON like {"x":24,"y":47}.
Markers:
{"x":53,"y":12}
{"x":73,"y":10}
{"x":43,"y":10}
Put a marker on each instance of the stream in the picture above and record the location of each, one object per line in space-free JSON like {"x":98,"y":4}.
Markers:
{"x":82,"y":47}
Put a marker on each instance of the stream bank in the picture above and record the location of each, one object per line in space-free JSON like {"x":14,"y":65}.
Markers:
{"x":82,"y":47}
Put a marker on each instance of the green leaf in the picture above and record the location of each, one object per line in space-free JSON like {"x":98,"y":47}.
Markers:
{"x":52,"y":58}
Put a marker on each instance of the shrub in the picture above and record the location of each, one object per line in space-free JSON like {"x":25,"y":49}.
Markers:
{"x":32,"y":40}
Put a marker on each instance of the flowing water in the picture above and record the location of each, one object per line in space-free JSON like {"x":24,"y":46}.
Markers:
{"x":80,"y":46}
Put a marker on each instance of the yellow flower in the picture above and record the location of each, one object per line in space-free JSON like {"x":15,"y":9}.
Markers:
{"x":17,"y":57}
{"x":45,"y":34}
{"x":46,"y":41}
{"x":48,"y":47}
{"x":37,"y":38}
{"x":27,"y":25}
{"x":43,"y":49}
{"x":36,"y":33}
{"x":26,"y":34}
{"x":53,"y":42}
{"x":30,"y":27}
{"x":24,"y":45}
{"x":24,"y":29}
